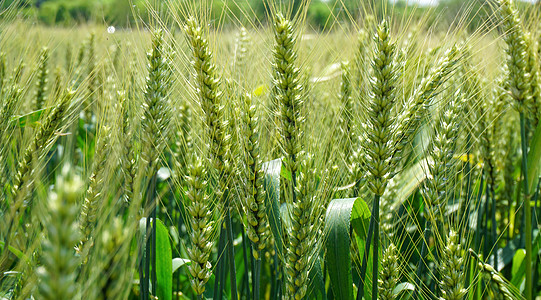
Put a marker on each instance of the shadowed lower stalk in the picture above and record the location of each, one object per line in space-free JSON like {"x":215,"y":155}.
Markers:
{"x":421,"y":265}
{"x":527,"y":208}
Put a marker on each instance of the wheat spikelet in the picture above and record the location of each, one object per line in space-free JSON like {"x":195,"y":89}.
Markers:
{"x":183,"y":139}
{"x":255,"y":194}
{"x":94,"y":197}
{"x":409,"y":121}
{"x":389,"y":273}
{"x":41,"y":85}
{"x":241,"y":49}
{"x":451,"y":267}
{"x":18,"y":73}
{"x":532,"y":67}
{"x":518,"y":78}
{"x":380,"y":112}
{"x":43,"y":139}
{"x":288,"y":92}
{"x":57,"y":84}
{"x":115,"y":241}
{"x":443,"y":165}
{"x":155,"y":121}
{"x":128,"y":159}
{"x":208,"y":88}
{"x":503,"y":289}
{"x":201,"y":226}
{"x":59,"y":263}
{"x":302,"y":234}
{"x":347,"y":125}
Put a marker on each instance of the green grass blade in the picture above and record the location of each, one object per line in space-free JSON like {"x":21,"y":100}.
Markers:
{"x":342,"y":214}
{"x":164,"y":267}
{"x":317,"y":283}
{"x":29,"y":119}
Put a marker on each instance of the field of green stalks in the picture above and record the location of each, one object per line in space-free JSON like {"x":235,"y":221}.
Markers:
{"x":379,"y":158}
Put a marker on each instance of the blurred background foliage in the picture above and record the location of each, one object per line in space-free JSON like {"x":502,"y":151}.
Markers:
{"x":127,"y":13}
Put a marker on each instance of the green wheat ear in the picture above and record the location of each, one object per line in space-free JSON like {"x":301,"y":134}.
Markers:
{"x":347,"y":126}
{"x":43,"y":139}
{"x":409,"y":121}
{"x":443,"y":165}
{"x":302,"y":238}
{"x":156,"y":118}
{"x":380,"y":112}
{"x":254,"y":205}
{"x":389,"y":274}
{"x":517,"y":60}
{"x":128,"y":158}
{"x":59,"y":262}
{"x":215,"y":126}
{"x":41,"y":85}
{"x":502,"y":288}
{"x":183,"y":139}
{"x":288,"y":92}
{"x":201,"y":228}
{"x":452,"y":269}
{"x":94,"y":198}
{"x":533,"y":68}
{"x":18,"y":72}
{"x":115,"y":244}
{"x":210,"y":97}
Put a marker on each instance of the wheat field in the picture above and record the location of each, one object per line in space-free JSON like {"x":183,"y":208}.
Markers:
{"x":387,"y":156}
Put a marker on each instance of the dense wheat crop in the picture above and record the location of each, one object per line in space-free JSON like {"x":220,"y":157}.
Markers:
{"x":383,"y":157}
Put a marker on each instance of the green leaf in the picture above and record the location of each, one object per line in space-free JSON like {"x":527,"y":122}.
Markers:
{"x":286,"y":174}
{"x":534,"y":160}
{"x":179,"y":262}
{"x":18,"y":253}
{"x":30,"y":119}
{"x":317,"y":283}
{"x":164,"y":267}
{"x":360,"y":218}
{"x":516,"y":275}
{"x":272,"y":171}
{"x":338,"y":222}
{"x":164,"y":257}
{"x":403,"y":287}
{"x":519,"y":270}
{"x":409,"y":180}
